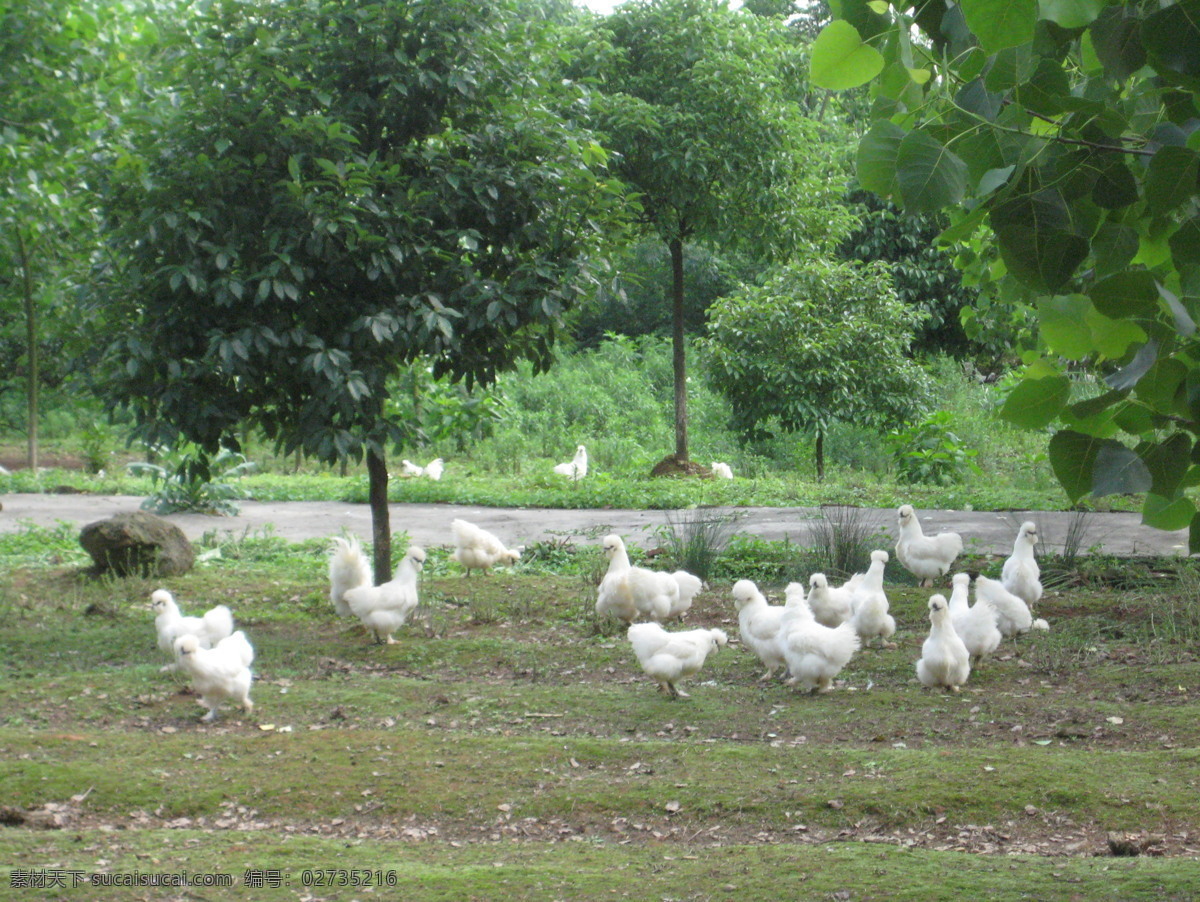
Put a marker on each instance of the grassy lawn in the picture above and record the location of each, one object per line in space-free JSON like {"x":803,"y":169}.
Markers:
{"x":509,"y":744}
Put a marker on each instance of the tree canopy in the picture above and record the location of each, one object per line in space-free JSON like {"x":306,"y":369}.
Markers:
{"x":329,"y":190}
{"x":1064,"y":139}
{"x":819,"y":341}
{"x":699,"y":105}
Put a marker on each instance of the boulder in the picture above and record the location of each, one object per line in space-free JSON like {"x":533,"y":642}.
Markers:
{"x":138,"y":544}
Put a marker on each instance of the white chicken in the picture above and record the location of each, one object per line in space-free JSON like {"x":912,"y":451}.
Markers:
{"x":976,"y":626}
{"x":758,"y":624}
{"x":170,"y":624}
{"x":814,"y":653}
{"x":629,"y":592}
{"x":432,"y":470}
{"x":926,"y":557}
{"x":1021,"y":574}
{"x":384,"y":609}
{"x":670,"y":657}
{"x":871,"y":619}
{"x":576,"y":468}
{"x":219,"y":673}
{"x":478,"y":549}
{"x":722,"y":470}
{"x":348,"y":569}
{"x":1012,"y":614}
{"x":831,"y":605}
{"x":944,"y":657}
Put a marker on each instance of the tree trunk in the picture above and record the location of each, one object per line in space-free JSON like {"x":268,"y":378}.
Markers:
{"x":820,"y":454}
{"x":680,"y":361}
{"x":381,"y":527}
{"x":31,"y":331}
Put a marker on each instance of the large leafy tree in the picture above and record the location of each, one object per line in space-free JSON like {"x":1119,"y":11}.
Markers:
{"x":700,"y":107}
{"x":819,"y":341}
{"x":1064,"y":137}
{"x":331,"y":191}
{"x":63,"y":64}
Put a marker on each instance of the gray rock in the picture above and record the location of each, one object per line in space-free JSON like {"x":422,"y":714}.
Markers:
{"x":138,"y":544}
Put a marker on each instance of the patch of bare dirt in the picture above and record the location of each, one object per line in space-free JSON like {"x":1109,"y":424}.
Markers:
{"x":673,"y":466}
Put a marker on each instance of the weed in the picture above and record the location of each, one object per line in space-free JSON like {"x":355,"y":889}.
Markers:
{"x":695,"y":540}
{"x":188,"y":484}
{"x":843,"y":539}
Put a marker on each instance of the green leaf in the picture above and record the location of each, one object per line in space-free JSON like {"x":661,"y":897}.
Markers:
{"x":929,"y":175}
{"x":1060,"y":318}
{"x":1000,"y":23}
{"x":1167,"y":462}
{"x":1171,"y":36}
{"x":1116,"y":41}
{"x":1126,"y":294}
{"x":840,"y":59}
{"x":1072,"y":457}
{"x":1034,"y":403}
{"x":1118,"y":471}
{"x":1185,"y":243}
{"x":1111,"y":338}
{"x":1171,"y":179}
{"x":876,"y":160}
{"x":1070,"y":13}
{"x":1037,"y":239}
{"x":1167,"y":513}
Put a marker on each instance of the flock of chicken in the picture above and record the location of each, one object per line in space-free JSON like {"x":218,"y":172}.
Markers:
{"x":809,"y":638}
{"x":813,"y":635}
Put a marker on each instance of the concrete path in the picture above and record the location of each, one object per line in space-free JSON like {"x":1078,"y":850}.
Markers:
{"x":429,"y":524}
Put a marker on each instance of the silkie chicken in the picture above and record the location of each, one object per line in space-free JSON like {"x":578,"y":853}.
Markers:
{"x":814,"y":653}
{"x":576,"y":468}
{"x":831,"y":605}
{"x":348,"y":569}
{"x":722,"y":470}
{"x":433,"y":469}
{"x":170,"y":624}
{"x":871,"y":619}
{"x":758,"y":624}
{"x":944,"y":657}
{"x":219,"y":673}
{"x":668,"y":658}
{"x":926,"y":557}
{"x":381,"y":609}
{"x":1012,"y":614}
{"x":1021,"y":574}
{"x":976,"y":625}
{"x":629,"y":592}
{"x":478,"y":549}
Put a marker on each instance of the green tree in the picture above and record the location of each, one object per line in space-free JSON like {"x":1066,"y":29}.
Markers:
{"x":923,"y":272}
{"x":819,"y":341}
{"x":62,"y":66}
{"x":332,"y":191}
{"x":1066,"y":136}
{"x":700,"y":107}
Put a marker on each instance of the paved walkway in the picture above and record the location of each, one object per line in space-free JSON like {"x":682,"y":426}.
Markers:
{"x":429,"y":524}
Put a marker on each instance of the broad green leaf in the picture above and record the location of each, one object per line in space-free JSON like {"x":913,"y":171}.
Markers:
{"x":1112,"y":338}
{"x":930,"y":176}
{"x":1171,"y":36}
{"x":1167,"y":513}
{"x":1034,"y":403}
{"x":1161,"y":386}
{"x":1061,"y":319}
{"x":1070,"y":13}
{"x":1116,"y":41}
{"x":1073,"y":457}
{"x":876,"y":160}
{"x":1171,"y":179}
{"x":1037,"y":241}
{"x":1000,"y":23}
{"x":1126,"y":294}
{"x":1118,"y":471}
{"x":1194,"y":535}
{"x":1132,"y":373}
{"x":1114,"y":246}
{"x":840,"y":59}
{"x":1167,"y":462}
{"x":1185,"y":243}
